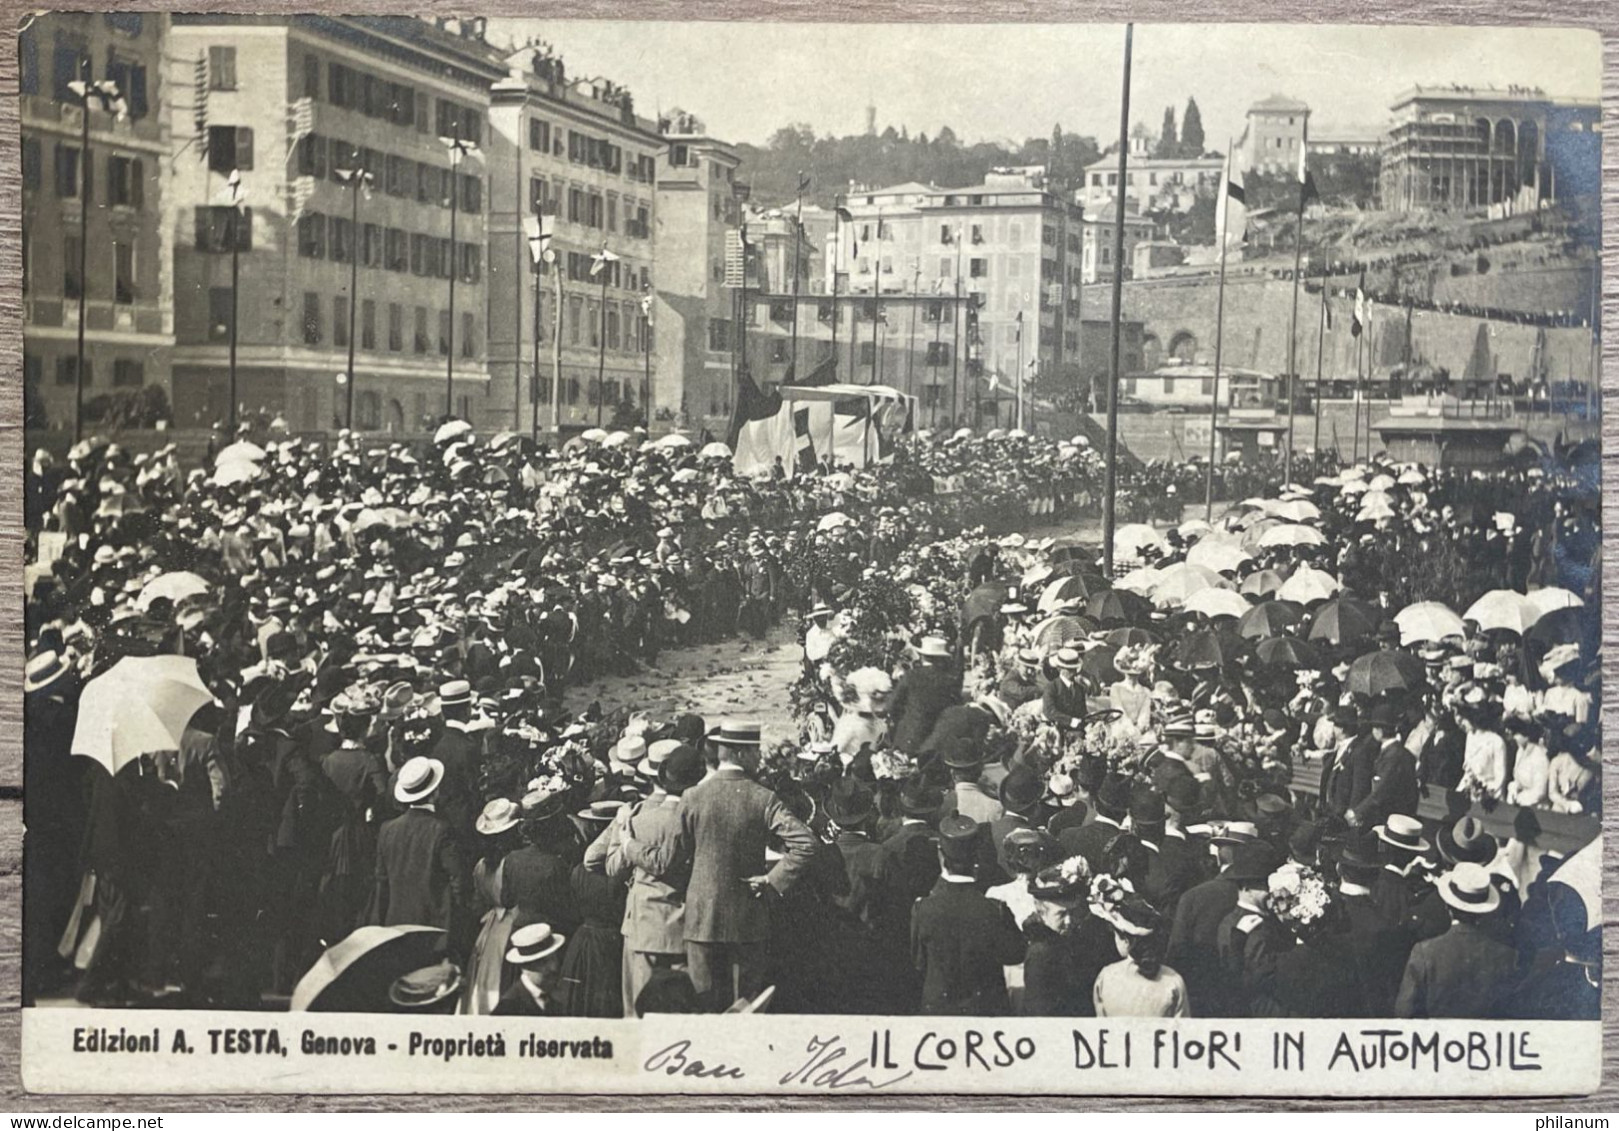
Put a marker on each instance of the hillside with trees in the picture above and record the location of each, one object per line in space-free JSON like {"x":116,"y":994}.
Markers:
{"x":893,"y":157}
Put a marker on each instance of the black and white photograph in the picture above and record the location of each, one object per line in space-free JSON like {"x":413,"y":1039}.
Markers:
{"x":640,"y":546}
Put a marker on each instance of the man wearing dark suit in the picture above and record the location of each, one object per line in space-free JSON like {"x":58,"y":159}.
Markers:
{"x":914,"y":847}
{"x":1174,"y":760}
{"x":421,"y":877}
{"x":1394,"y":774}
{"x":1347,"y":776}
{"x":1379,"y":943}
{"x":1466,"y":972}
{"x":1064,"y":702}
{"x":960,"y":939}
{"x":1194,"y":943}
{"x":1021,"y":792}
{"x":961,"y":727}
{"x":922,"y":694}
{"x":728,"y":820}
{"x":536,"y":951}
{"x":1091,"y":840}
{"x":458,"y":749}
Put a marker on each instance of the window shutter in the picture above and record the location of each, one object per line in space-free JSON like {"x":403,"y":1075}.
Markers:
{"x":137,"y":183}
{"x":244,"y":148}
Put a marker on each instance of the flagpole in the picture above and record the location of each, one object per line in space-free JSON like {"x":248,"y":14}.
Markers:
{"x":601,"y":350}
{"x":1293,"y":329}
{"x":837,"y":255}
{"x":798,"y":239}
{"x":1320,"y":349}
{"x":556,"y":349}
{"x":955,"y":345}
{"x":933,"y":409}
{"x":1111,"y":484}
{"x":910,"y":339}
{"x":1017,"y":385}
{"x":1354,"y":443}
{"x":1222,"y":233}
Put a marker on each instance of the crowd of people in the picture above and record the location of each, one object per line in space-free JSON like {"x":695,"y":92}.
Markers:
{"x":1013,"y":786}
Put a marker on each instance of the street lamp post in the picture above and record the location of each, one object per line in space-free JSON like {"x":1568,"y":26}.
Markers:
{"x":106,"y":94}
{"x":356,"y":180}
{"x":458,"y":149}
{"x":601,"y":262}
{"x":646,"y":356}
{"x":538,"y":230}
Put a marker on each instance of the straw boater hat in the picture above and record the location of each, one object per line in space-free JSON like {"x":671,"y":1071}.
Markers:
{"x":418,"y":778}
{"x":736,"y":732}
{"x":933,"y":648}
{"x":1066,"y":659}
{"x":534,"y":943}
{"x":499,"y":815}
{"x":42,"y":671}
{"x":1401,"y":831}
{"x":427,"y":987}
{"x":1467,"y":887}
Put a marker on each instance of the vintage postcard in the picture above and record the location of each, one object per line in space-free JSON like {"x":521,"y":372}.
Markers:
{"x":748,"y":558}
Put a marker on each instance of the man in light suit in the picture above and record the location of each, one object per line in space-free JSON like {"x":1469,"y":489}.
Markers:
{"x":648,"y":851}
{"x":728,"y":820}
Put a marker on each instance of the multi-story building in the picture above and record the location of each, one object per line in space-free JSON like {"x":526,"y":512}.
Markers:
{"x":289,"y":105}
{"x":913,"y":342}
{"x":1277,"y":130}
{"x":1344,"y":141}
{"x":1010,"y":242}
{"x":124,"y":279}
{"x":1098,"y":263}
{"x":699,"y":217}
{"x":575,"y":151}
{"x":1456,"y":147}
{"x":1169,"y":184}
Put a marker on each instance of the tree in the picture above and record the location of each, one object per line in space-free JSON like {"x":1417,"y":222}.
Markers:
{"x":947,"y":138}
{"x":1168,"y":142}
{"x":1056,"y":167}
{"x":1192,"y":130}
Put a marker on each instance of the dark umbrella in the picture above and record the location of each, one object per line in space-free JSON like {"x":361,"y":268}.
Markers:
{"x":1270,"y":619}
{"x":984,"y":601}
{"x":1209,"y":649}
{"x":1288,"y":652}
{"x":1054,"y":632}
{"x":1116,"y":607}
{"x":354,"y":975}
{"x":1071,"y":553}
{"x":1345,"y":619}
{"x":1098,"y":664}
{"x":1261,"y":584}
{"x":1561,"y":626}
{"x":1378,"y":673}
{"x":1130,"y":635}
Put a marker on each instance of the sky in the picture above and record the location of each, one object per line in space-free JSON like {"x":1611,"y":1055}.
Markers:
{"x":1007,"y":82}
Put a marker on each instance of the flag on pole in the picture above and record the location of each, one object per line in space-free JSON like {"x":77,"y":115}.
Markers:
{"x":1326,"y":307}
{"x":1307,"y":189}
{"x":1362,"y":313}
{"x":1230,"y":210}
{"x":538,"y":230}
{"x":599,"y":261}
{"x":803,"y":182}
{"x":1019,"y":335}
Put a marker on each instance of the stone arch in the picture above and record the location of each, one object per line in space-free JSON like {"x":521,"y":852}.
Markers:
{"x":1183,"y":345}
{"x":395,"y":421}
{"x":1152,"y":352}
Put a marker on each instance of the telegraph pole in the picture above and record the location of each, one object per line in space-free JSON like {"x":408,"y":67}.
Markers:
{"x":458,"y":149}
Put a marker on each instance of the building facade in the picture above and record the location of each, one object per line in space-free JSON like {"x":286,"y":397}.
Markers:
{"x":124,"y":279}
{"x":289,"y":105}
{"x":1170,"y":184}
{"x":699,"y":218}
{"x":1010,"y":243}
{"x":576,"y":152}
{"x":1098,"y":263}
{"x":1455,"y":147}
{"x":1278,"y":129}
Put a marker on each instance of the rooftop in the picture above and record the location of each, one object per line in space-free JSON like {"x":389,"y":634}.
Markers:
{"x":1279,"y":104}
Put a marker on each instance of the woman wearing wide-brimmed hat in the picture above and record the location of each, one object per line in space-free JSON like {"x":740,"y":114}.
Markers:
{"x":1138,"y":984}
